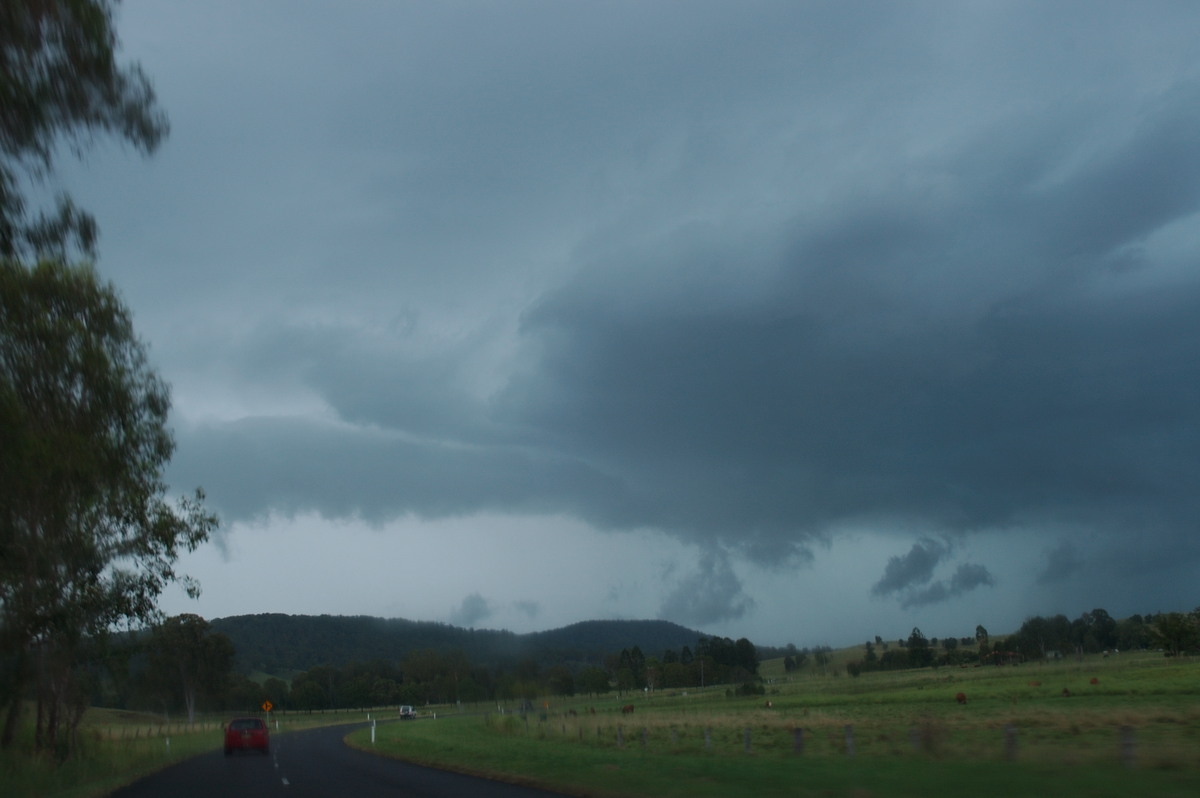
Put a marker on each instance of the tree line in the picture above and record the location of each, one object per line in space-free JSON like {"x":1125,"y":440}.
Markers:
{"x":1176,"y":633}
{"x":184,"y":665}
{"x":1039,"y":638}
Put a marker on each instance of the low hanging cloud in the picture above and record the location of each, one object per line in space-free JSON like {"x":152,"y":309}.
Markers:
{"x":914,"y":568}
{"x":911,"y":576}
{"x":711,"y":594}
{"x":530,"y":609}
{"x":474,"y":608}
{"x":1061,"y":562}
{"x":968,"y":577}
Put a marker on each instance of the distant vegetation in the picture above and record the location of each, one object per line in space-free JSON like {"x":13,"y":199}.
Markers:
{"x":322,"y":663}
{"x":1039,"y":638}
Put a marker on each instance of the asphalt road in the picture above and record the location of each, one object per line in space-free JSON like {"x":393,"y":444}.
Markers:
{"x":314,"y":764}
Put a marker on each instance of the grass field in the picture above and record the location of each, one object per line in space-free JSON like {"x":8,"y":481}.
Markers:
{"x":1134,"y":731}
{"x":909,"y":737}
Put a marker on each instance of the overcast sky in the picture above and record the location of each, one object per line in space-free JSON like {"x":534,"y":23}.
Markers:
{"x":797,"y":321}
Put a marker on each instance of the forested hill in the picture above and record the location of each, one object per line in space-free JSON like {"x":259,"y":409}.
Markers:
{"x":590,"y":641}
{"x":277,"y":643}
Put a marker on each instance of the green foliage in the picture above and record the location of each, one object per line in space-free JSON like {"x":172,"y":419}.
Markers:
{"x":87,"y":540}
{"x":186,"y":660}
{"x":749,"y":689}
{"x":593,"y":681}
{"x":60,"y":84}
{"x":1176,"y":632}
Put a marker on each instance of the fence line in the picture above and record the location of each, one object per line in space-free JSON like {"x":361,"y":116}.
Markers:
{"x":831,"y":740}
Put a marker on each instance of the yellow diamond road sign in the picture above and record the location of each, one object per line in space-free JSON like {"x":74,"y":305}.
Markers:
{"x":267,"y":706}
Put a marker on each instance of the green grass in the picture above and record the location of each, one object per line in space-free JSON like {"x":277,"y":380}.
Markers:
{"x":910,"y":736}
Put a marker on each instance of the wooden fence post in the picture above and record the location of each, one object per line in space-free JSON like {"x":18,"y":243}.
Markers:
{"x":798,"y":741}
{"x":1010,"y":743}
{"x":746,"y":740}
{"x":849,"y":740}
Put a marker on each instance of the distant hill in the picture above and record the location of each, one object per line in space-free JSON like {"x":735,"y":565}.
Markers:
{"x":589,"y":641}
{"x":278,"y":644}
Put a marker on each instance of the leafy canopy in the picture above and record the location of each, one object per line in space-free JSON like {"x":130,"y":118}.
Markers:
{"x":60,"y":85}
{"x":87,"y":539}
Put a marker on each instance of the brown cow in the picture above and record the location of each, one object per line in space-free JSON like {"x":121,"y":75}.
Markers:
{"x":1066,"y":693}
{"x":1095,"y":680}
{"x":627,"y":709}
{"x":961,"y":698}
{"x":1035,"y":684}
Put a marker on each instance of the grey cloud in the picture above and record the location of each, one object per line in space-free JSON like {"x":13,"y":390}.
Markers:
{"x":530,"y":609}
{"x":914,"y":568}
{"x":710,"y":594}
{"x":294,"y":465}
{"x":474,"y":608}
{"x":1061,"y":562}
{"x":789,"y":289}
{"x":966,"y":578}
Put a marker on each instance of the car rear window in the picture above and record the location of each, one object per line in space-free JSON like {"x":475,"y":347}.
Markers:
{"x":246,"y":723}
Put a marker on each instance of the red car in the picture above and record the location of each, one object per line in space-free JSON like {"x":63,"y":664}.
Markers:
{"x":247,"y":734}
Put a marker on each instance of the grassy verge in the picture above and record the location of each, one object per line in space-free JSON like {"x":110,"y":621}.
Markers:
{"x":117,"y":748}
{"x":1017,"y":735}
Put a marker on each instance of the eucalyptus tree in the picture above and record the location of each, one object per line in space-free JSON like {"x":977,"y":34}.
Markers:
{"x":187,"y":660}
{"x":60,"y":86}
{"x":88,"y":539}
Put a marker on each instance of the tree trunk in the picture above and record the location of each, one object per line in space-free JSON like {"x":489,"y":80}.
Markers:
{"x":10,"y":722}
{"x":189,"y":699}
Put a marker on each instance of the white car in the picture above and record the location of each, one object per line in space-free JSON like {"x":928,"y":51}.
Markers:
{"x":407,"y":713}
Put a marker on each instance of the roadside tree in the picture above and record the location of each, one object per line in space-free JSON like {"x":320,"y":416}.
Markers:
{"x":1177,"y":633}
{"x":188,"y":659}
{"x":87,"y":539}
{"x":60,"y":84}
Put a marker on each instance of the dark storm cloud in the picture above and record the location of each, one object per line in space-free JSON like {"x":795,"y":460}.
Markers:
{"x":766,"y":277}
{"x":1061,"y":562}
{"x":966,"y":578}
{"x":914,"y":568}
{"x":711,"y":594}
{"x":956,"y":361}
{"x":290,"y":466}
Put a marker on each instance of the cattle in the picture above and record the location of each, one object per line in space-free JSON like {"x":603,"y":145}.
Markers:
{"x":1035,"y":684}
{"x":1066,"y":693}
{"x":1095,"y":680}
{"x":627,"y":709}
{"x":768,"y":705}
{"x":961,"y":698}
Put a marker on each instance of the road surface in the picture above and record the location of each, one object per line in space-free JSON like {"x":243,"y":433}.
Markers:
{"x":314,"y":764}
